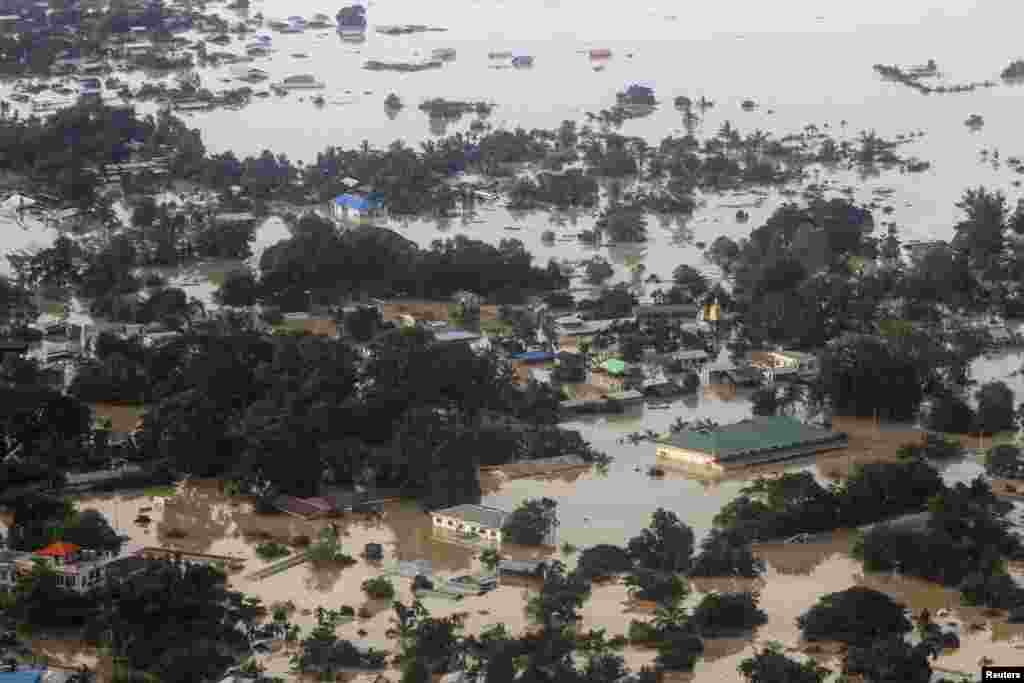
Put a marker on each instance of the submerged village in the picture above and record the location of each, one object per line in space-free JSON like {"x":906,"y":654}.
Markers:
{"x":254,"y":431}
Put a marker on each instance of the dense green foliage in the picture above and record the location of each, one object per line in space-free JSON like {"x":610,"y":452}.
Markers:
{"x":857,"y":616}
{"x":666,"y":545}
{"x":723,"y":614}
{"x":963,"y":544}
{"x":532,"y":522}
{"x":771,"y":665}
{"x":796,"y":503}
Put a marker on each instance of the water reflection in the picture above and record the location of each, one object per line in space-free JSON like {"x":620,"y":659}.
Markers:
{"x":804,"y":558}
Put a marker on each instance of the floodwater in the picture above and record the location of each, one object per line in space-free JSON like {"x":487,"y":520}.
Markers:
{"x":199,"y":518}
{"x":806,"y":63}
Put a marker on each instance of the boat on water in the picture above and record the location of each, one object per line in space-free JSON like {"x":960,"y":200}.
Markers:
{"x":277,"y":24}
{"x":297,"y":20}
{"x":302,"y":82}
{"x":445,"y":54}
{"x":512,"y":227}
{"x":522,"y":60}
{"x":257,"y":50}
{"x":600,"y":53}
{"x":351,"y":19}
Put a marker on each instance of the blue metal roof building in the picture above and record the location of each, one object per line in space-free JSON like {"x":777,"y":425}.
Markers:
{"x":33,"y":676}
{"x":359,"y":203}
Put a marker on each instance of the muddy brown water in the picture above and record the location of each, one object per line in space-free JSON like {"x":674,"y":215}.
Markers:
{"x":593,"y":508}
{"x":797,"y":575}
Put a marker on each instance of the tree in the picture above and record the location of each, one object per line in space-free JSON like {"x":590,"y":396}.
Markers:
{"x":603,"y":561}
{"x":490,"y":558}
{"x":655,"y":586}
{"x":723,"y":614}
{"x":856,"y":616}
{"x":532,"y":522}
{"x":379,"y":588}
{"x":90,"y":529}
{"x":724,"y":554}
{"x":560,"y":598}
{"x":982,"y":233}
{"x":692,"y":282}
{"x":679,"y":651}
{"x":240,"y":288}
{"x":995,"y":408}
{"x":889,"y":660}
{"x":1004,"y":460}
{"x":598,"y":270}
{"x":723,"y":253}
{"x":666,"y":545}
{"x":631,"y":346}
{"x":771,"y":665}
{"x":623,"y":223}
{"x":866,"y":376}
{"x":950,"y":413}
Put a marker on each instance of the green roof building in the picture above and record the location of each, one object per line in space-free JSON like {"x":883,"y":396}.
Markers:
{"x":749,"y":442}
{"x":614,"y":366}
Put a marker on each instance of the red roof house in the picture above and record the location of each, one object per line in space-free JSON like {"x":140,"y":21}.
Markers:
{"x":59,"y":549}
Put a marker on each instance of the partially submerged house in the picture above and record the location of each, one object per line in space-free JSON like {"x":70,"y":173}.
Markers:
{"x":350,"y":206}
{"x":471,"y":520}
{"x":749,"y":442}
{"x":785,"y":364}
{"x":304,"y":508}
{"x":77,"y":569}
{"x":669,"y":313}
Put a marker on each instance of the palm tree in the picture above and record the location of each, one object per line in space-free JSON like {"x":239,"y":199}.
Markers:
{"x":670,"y":618}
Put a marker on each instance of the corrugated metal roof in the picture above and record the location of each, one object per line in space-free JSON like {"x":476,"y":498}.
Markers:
{"x":752,"y":436}
{"x":492,"y":518}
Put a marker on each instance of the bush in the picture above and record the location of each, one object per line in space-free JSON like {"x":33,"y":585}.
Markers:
{"x":723,"y":614}
{"x":379,"y":588}
{"x":643,"y":633}
{"x":656,"y":586}
{"x":856,"y":616}
{"x":272,"y":551}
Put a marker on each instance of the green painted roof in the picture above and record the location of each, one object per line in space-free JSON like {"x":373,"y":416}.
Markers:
{"x":614,"y":366}
{"x":752,"y":436}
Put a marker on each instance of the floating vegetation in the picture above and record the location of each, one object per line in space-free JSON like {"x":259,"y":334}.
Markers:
{"x":403,"y":67}
{"x":404,"y":29}
{"x":439,"y":107}
{"x":913,"y":76}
